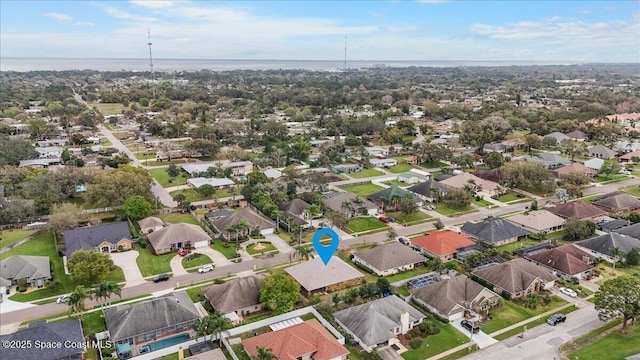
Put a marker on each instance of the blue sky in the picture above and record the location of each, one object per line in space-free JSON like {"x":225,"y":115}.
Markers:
{"x":570,"y":31}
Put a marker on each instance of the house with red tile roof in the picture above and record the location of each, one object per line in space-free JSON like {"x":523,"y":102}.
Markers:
{"x":442,"y":244}
{"x":304,"y":341}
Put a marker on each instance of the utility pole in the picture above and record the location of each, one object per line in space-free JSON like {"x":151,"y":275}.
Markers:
{"x":153,"y":75}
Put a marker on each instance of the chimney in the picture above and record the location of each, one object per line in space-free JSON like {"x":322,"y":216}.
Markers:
{"x":404,"y":322}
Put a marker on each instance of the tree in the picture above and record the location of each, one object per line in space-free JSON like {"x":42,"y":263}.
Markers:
{"x":609,"y":167}
{"x":562,"y":194}
{"x":137,"y":207}
{"x":336,"y":219}
{"x":106,"y":289}
{"x":279,"y":293}
{"x":304,"y":252}
{"x":534,"y":205}
{"x":207,"y":190}
{"x":576,"y":229}
{"x":221,"y":323}
{"x":493,"y":160}
{"x":617,"y":256}
{"x":14,"y":150}
{"x":439,"y":225}
{"x":114,"y":187}
{"x":173,"y":170}
{"x":619,"y":297}
{"x":464,"y":161}
{"x":407,"y":205}
{"x":65,"y":216}
{"x":392,"y":234}
{"x":457,"y":198}
{"x":632,"y":257}
{"x":203,"y":147}
{"x":206,"y":326}
{"x":77,"y":300}
{"x":532,"y":141}
{"x":15,"y":210}
{"x":89,"y":266}
{"x":383,"y":285}
{"x":526,"y":175}
{"x":265,"y":354}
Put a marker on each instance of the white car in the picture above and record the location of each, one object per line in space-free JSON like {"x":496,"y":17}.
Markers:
{"x":204,"y":269}
{"x":62,"y":299}
{"x":568,"y":292}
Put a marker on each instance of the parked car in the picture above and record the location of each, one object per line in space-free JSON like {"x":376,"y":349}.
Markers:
{"x":392,"y":219}
{"x":473,"y":328}
{"x":205,"y":268}
{"x":62,"y":299}
{"x":403,"y":240}
{"x":384,"y":219}
{"x":556,"y":318}
{"x":429,"y":207}
{"x":161,"y":277}
{"x":568,"y":292}
{"x":184,"y":252}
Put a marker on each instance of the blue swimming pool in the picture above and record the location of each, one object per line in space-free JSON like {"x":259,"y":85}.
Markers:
{"x":161,"y":344}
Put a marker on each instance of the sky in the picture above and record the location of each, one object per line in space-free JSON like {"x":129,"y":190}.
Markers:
{"x":421,"y":30}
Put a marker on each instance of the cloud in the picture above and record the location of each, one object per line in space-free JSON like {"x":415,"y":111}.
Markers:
{"x":55,"y":15}
{"x":156,"y":4}
{"x":120,"y":14}
{"x":401,"y":28}
{"x":85,"y":23}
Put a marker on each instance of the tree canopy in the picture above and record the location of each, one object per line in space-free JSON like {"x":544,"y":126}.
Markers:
{"x":279,"y":293}
{"x":619,"y":297}
{"x":90,"y":267}
{"x":137,"y":207}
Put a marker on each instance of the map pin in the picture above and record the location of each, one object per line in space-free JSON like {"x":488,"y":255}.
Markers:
{"x":325,"y":252}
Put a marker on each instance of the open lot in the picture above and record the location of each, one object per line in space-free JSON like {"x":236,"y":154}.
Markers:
{"x":416,"y":218}
{"x":364,"y":189}
{"x":400,"y":168}
{"x":165,"y":180}
{"x":108,"y":109}
{"x":10,"y":237}
{"x":446,"y":210}
{"x":366,"y":173}
{"x":361,"y":224}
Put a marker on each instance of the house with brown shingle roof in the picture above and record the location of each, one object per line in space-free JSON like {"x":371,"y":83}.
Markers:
{"x":577,"y":135}
{"x":580,"y":209}
{"x":538,"y":221}
{"x":315,"y":276}
{"x":629,"y":157}
{"x":516,"y":278}
{"x":566,"y":261}
{"x":574,"y":168}
{"x":442,"y":244}
{"x":305,"y":341}
{"x":450,"y":298}
{"x":178,"y":236}
{"x":618,"y":201}
{"x":240,"y":296}
{"x":150,"y":224}
{"x":388,"y":259}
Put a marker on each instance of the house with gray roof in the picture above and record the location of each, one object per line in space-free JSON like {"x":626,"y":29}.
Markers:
{"x":349,"y":204}
{"x":494,"y":231}
{"x":558,"y":137}
{"x":577,"y":135}
{"x":69,"y":331}
{"x":594,"y":164}
{"x":377,"y":323}
{"x":295,"y":212}
{"x":601,"y":152}
{"x":497,"y":147}
{"x":386,"y":198}
{"x":178,"y":236}
{"x":254,"y":219}
{"x":137,"y":328}
{"x":386,"y":163}
{"x":602,"y":246}
{"x":618,"y":201}
{"x":346,"y":168}
{"x":516,"y":278}
{"x":429,"y":190}
{"x":389,"y":259}
{"x":450,"y":299}
{"x":632,"y":230}
{"x":240,"y":296}
{"x":35,"y":269}
{"x":314,"y":276}
{"x":106,"y":238}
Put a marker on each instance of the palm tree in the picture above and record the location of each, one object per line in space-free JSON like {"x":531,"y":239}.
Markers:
{"x":221,"y":324}
{"x":304,"y":252}
{"x":109,"y":288}
{"x":347,"y":207}
{"x":77,"y":299}
{"x":265,"y":354}
{"x":617,"y":254}
{"x":206,"y":326}
{"x":277,"y":214}
{"x":241,"y":226}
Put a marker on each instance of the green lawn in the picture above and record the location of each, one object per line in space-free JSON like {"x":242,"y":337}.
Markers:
{"x":366,"y":173}
{"x":175,"y":218}
{"x":400,"y":168}
{"x":484,"y":203}
{"x":633,"y":190}
{"x":44,"y":245}
{"x":360,"y":224}
{"x":228,"y":252}
{"x":402,"y":290}
{"x":614,"y":345}
{"x":511,"y":313}
{"x":395,"y":183}
{"x":150,"y":264}
{"x":193,"y":195}
{"x":408,"y":274}
{"x":195,"y":260}
{"x":610,"y":179}
{"x":166,"y":181}
{"x":434,"y":165}
{"x":10,"y":237}
{"x":446,"y":210}
{"x":267,"y":247}
{"x":416,"y":218}
{"x":448,"y":338}
{"x":364,"y":189}
{"x":511,"y":195}
{"x":516,"y":245}
{"x":93,"y":323}
{"x":108,"y":109}
{"x":531,"y":325}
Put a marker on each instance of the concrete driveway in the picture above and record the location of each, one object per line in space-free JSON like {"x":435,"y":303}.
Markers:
{"x":481,"y":339}
{"x":127,"y":262}
{"x":215,"y":256}
{"x":280,"y":244}
{"x":8,"y":305}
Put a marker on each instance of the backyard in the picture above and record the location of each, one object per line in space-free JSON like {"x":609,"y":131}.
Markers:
{"x":192,"y":195}
{"x":511,"y":313}
{"x":175,"y":218}
{"x":448,"y":338}
{"x":361,"y":224}
{"x":417,"y":217}
{"x":366,"y":173}
{"x":613,"y":345}
{"x":165,"y":180}
{"x":446,"y":210}
{"x":363,"y":189}
{"x":10,"y":237}
{"x":400,"y":168}
{"x":516,"y":245}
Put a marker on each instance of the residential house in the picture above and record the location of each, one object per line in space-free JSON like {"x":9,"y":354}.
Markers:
{"x":35,"y":269}
{"x":601,"y":152}
{"x":138,"y":328}
{"x":106,"y":238}
{"x":255,"y":221}
{"x":235,"y":298}
{"x":377,"y":151}
{"x":411,"y":160}
{"x":630,"y":157}
{"x":308,"y":340}
{"x":558,"y":137}
{"x":49,"y":152}
{"x":178,"y":236}
{"x":150,"y":224}
{"x":516,"y":278}
{"x":602,"y":246}
{"x":409,"y":178}
{"x":441,"y":244}
{"x":618,"y":202}
{"x":314,"y":276}
{"x":388,"y":197}
{"x":349,"y":204}
{"x":273,"y":174}
{"x":632,"y":230}
{"x":451,"y":298}
{"x":377,"y":323}
{"x":594,"y":164}
{"x":538,"y":221}
{"x":579,"y":209}
{"x":625,"y":146}
{"x":573,"y":169}
{"x":388,"y":259}
{"x":565,"y":261}
{"x":295,"y":212}
{"x":385,"y":163}
{"x":459,"y":181}
{"x":346,"y":168}
{"x":237,"y":167}
{"x":217,"y":183}
{"x":44,"y":333}
{"x":216,"y":214}
{"x":494,"y":231}
{"x":497,"y":147}
{"x":550,"y":160}
{"x":577,"y":135}
{"x":493,"y":175}
{"x":430,"y":190}
{"x":40,"y":163}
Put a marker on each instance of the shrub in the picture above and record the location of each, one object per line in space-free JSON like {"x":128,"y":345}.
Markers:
{"x":218,"y":281}
{"x":142,"y":243}
{"x":54,"y":285}
{"x":428,"y":327}
{"x":415,"y":343}
{"x":505,"y":294}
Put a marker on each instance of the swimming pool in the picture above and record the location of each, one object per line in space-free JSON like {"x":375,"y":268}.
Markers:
{"x":161,"y":344}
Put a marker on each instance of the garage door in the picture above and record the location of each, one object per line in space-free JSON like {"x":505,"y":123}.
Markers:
{"x":201,"y":244}
{"x":267,"y":231}
{"x":456,"y":316}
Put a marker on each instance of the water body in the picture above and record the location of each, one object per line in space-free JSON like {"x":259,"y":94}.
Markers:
{"x":160,"y":65}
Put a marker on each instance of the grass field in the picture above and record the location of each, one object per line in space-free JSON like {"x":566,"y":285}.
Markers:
{"x":614,"y":345}
{"x":360,"y":224}
{"x":408,"y":274}
{"x":364,"y":189}
{"x":395,"y":183}
{"x":530,"y":325}
{"x":366,"y":173}
{"x":93,"y":323}
{"x":195,"y":260}
{"x":446,"y":210}
{"x":511,"y":313}
{"x":175,"y":218}
{"x":150,"y":264}
{"x":165,"y":180}
{"x":416,"y":218}
{"x":192,"y":195}
{"x":108,"y":109}
{"x":10,"y":237}
{"x":510,"y":196}
{"x":516,"y":245}
{"x":610,"y":179}
{"x":400,"y":168}
{"x":484,"y":203}
{"x":228,"y":252}
{"x":448,"y":338}
{"x":434,"y":165}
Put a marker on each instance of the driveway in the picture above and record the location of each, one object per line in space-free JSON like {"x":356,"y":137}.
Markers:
{"x":176,"y":266}
{"x":127,"y":262}
{"x":481,"y":339}
{"x":8,"y":305}
{"x":280,"y":244}
{"x":216,"y":256}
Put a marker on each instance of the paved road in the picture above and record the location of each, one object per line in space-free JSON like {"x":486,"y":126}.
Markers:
{"x":160,"y":193}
